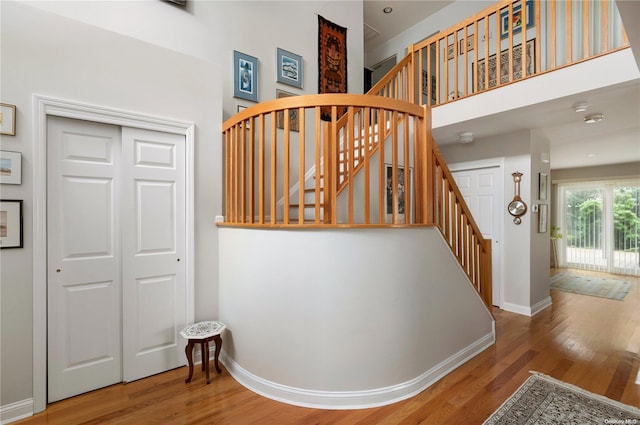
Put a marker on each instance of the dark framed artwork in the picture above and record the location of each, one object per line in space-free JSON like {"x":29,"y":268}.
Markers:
{"x":245,"y":76}
{"x":543,"y":186}
{"x":470,"y":43}
{"x":516,"y":18}
{"x":290,"y":70}
{"x":332,"y":61}
{"x":425,"y":87}
{"x":294,"y":123}
{"x":10,"y":224}
{"x":401,"y":194}
{"x":504,"y":65}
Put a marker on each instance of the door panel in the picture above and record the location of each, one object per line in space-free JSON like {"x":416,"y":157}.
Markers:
{"x":480,"y":190}
{"x":154,"y":246}
{"x":83,"y":228}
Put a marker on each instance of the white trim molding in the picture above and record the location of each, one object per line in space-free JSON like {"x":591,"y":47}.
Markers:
{"x":345,"y":400}
{"x":44,"y":106}
{"x":16,"y":411}
{"x":528,"y":310}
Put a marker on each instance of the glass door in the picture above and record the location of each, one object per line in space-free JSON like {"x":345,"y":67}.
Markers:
{"x":600,"y":225}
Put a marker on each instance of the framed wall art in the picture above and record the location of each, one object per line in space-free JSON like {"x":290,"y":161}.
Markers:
{"x":7,"y":119}
{"x":294,"y":123}
{"x":451,"y":51}
{"x":543,"y":186}
{"x":245,"y":76}
{"x":290,"y":69}
{"x":10,"y":167}
{"x":470,"y":40}
{"x":401,"y":194}
{"x":425,"y":87}
{"x":516,"y":18}
{"x":10,"y":224}
{"x":542,"y":218}
{"x":504,"y":66}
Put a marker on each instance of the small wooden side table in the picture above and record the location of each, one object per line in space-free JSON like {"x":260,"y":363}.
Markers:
{"x":202,"y":333}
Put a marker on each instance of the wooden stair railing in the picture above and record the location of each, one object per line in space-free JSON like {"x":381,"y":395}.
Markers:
{"x":267,"y":162}
{"x":459,"y":229}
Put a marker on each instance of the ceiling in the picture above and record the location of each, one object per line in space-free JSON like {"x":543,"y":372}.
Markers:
{"x":614,"y":140}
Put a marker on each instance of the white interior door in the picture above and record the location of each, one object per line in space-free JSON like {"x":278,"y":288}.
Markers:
{"x":116,"y":254}
{"x":480,"y":188}
{"x":83,"y":237}
{"x":154,"y":245}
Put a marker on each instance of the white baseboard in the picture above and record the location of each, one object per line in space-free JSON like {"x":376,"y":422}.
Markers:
{"x":540,"y":305}
{"x":344,"y":400}
{"x":527,"y":310}
{"x":15,"y":411}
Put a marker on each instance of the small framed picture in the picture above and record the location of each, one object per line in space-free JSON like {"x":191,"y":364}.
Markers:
{"x":470,"y":40}
{"x":245,"y":76}
{"x":401,"y":191}
{"x":10,"y":167}
{"x":289,"y":68}
{"x":543,"y":186}
{"x":7,"y":119}
{"x":294,"y":123}
{"x":542,"y":218}
{"x":10,"y":224}
{"x":451,"y":51}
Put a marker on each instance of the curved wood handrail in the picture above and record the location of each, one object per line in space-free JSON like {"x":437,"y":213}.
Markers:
{"x":315,"y":100}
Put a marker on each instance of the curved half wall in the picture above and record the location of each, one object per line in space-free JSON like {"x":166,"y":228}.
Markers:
{"x":345,"y":318}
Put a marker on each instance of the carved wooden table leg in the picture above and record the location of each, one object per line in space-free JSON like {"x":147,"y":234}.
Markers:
{"x":218,"y":340}
{"x":205,"y":358}
{"x":189,"y":351}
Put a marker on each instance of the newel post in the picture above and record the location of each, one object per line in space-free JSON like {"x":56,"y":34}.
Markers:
{"x":486,"y":285}
{"x":429,"y":202}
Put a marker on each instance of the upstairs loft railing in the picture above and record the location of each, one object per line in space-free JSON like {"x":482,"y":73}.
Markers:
{"x":282,"y":162}
{"x":462,"y":60}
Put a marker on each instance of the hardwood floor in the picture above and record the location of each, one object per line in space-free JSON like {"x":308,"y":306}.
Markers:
{"x":587,"y":341}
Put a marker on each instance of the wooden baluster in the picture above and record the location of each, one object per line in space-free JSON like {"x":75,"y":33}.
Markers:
{"x":261,"y":170}
{"x":351,"y":150}
{"x":569,"y":26}
{"x":332,"y":159}
{"x":552,"y":35}
{"x":382,"y":178}
{"x":367,"y":173}
{"x":243,"y":174}
{"x":302,"y":131}
{"x":408,"y":193}
{"x":318,"y":143}
{"x":252,"y":171}
{"x":604,"y":4}
{"x":286,"y":165}
{"x":274,"y":164}
{"x":585,"y":29}
{"x":227,"y":191}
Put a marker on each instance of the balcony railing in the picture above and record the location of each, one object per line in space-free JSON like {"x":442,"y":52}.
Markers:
{"x":463,"y":59}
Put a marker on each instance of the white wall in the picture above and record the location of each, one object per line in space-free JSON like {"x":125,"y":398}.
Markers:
{"x":363,"y":327}
{"x":213,"y":29}
{"x":439,"y":21}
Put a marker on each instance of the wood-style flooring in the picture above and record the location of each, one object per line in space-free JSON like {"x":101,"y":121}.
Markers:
{"x":587,"y":341}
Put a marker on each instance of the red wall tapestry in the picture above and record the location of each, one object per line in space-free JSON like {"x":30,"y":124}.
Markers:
{"x":332,"y":61}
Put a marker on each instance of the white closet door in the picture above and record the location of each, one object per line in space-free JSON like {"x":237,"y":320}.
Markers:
{"x":84,"y":258}
{"x":153,"y":197}
{"x":481,"y":191}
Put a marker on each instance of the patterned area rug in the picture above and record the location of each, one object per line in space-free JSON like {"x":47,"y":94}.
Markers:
{"x":544,"y":400}
{"x":589,"y":285}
